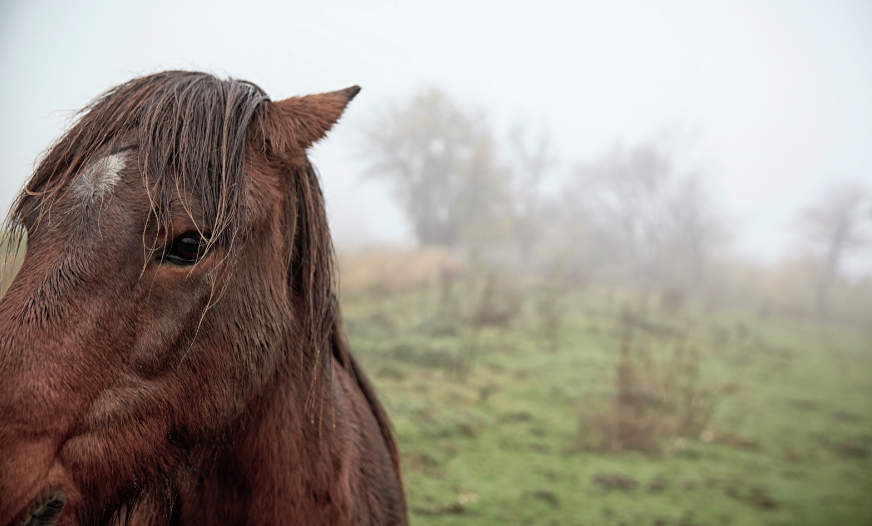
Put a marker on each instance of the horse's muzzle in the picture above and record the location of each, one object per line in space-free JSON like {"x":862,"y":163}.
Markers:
{"x":45,"y":510}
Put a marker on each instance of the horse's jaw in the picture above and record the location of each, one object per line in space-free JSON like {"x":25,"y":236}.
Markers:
{"x":48,"y":501}
{"x":45,"y":510}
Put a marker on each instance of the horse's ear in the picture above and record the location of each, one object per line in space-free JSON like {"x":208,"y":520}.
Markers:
{"x":292,"y":125}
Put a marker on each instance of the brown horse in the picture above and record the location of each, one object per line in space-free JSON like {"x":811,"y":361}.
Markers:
{"x":171,"y":350}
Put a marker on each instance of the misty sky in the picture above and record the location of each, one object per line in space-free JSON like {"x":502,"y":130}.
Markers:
{"x":770,"y":100}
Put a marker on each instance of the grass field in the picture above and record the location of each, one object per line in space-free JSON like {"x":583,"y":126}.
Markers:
{"x":528,"y":404}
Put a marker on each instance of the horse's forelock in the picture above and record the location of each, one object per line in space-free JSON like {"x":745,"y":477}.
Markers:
{"x":190,"y":131}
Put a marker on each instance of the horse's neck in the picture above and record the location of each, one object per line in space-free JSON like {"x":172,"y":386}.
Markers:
{"x":306,"y":453}
{"x":288,"y":459}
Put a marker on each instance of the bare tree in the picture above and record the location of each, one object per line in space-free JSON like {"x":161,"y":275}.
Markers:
{"x":834,"y":226}
{"x":534,"y":157}
{"x":643,"y":215}
{"x":442,"y":163}
{"x":623,"y":193}
{"x":694,"y":232}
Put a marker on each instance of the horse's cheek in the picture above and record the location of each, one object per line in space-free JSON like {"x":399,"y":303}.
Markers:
{"x":237,"y":349}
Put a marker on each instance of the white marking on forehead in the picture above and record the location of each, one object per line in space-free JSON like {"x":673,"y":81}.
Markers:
{"x":99,"y":178}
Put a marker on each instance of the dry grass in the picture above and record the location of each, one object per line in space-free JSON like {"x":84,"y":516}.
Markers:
{"x":389,"y":271}
{"x":657,"y":393}
{"x":10,"y":260}
{"x":552,"y":308}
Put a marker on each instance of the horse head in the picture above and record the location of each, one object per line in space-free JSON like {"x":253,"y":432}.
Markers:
{"x":167,"y":348}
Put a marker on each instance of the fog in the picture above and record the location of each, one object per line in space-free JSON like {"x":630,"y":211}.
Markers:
{"x":768,"y":102}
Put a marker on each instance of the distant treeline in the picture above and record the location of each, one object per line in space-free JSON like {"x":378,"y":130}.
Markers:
{"x":631,"y":217}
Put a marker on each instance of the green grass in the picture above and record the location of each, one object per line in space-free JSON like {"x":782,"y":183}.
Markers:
{"x":493,"y":423}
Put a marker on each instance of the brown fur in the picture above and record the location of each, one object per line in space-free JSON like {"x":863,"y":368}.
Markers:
{"x":143,"y":392}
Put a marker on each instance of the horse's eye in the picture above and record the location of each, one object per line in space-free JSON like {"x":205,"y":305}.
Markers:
{"x":186,"y":249}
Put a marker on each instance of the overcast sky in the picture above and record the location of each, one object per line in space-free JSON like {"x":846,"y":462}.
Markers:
{"x":773,"y":100}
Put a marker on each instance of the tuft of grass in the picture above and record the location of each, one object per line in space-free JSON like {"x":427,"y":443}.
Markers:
{"x":652,"y":400}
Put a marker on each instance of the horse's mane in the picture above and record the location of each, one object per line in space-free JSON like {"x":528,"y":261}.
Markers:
{"x":191,"y":134}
